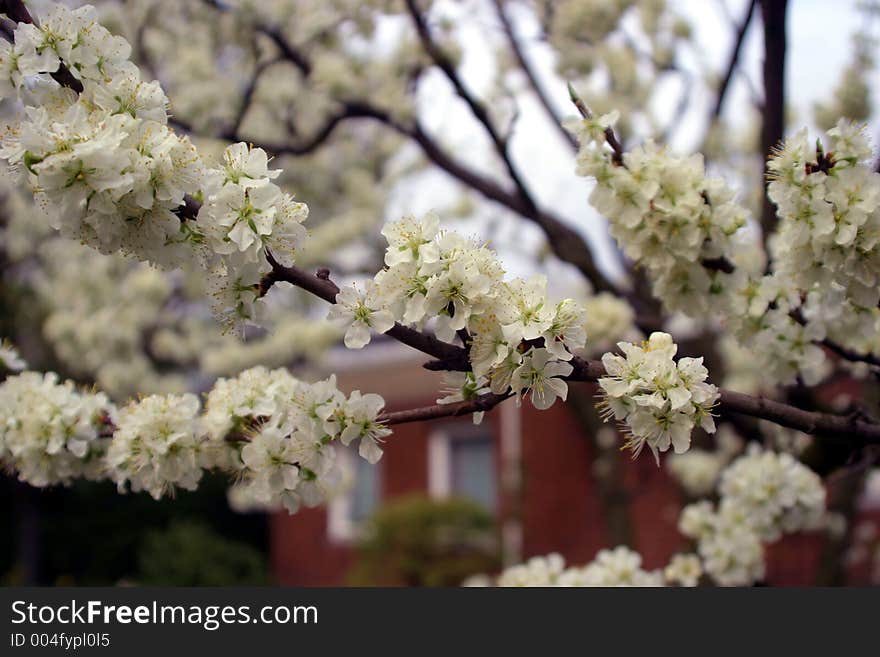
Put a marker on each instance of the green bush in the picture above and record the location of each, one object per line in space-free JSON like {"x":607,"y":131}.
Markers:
{"x":415,"y":541}
{"x":190,"y":553}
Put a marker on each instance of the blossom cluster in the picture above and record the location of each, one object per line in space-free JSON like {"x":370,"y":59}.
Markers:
{"x":618,"y":567}
{"x":517,"y":339}
{"x":763,"y":495}
{"x":828,"y":203}
{"x":114,"y":175}
{"x":244,"y":217}
{"x":273,"y":433}
{"x":684,"y":229}
{"x":825,"y":270}
{"x":659,"y":400}
{"x":51,"y":432}
{"x":103,"y":161}
{"x":156,"y":444}
{"x":663,"y":210}
{"x":778,"y":493}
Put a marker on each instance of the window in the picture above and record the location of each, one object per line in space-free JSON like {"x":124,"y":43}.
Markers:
{"x":461,"y":463}
{"x":365,"y":490}
{"x":347,"y":512}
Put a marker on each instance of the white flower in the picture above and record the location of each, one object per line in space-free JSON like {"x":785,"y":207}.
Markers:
{"x":592,"y":128}
{"x":360,"y":413}
{"x":539,"y":373}
{"x":618,"y":567}
{"x":529,"y":315}
{"x":10,"y":359}
{"x":247,"y":167}
{"x":362,"y":312}
{"x":537,"y":571}
{"x":776,"y":492}
{"x":236,"y":292}
{"x":464,"y":386}
{"x":243,"y":217}
{"x":273,"y":459}
{"x":684,"y":569}
{"x":410,"y":239}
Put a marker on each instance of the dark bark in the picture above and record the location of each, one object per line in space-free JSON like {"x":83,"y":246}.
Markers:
{"x":773,"y":13}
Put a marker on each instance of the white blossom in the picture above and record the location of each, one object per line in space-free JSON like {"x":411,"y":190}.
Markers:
{"x":362,"y":313}
{"x":684,"y":570}
{"x":540,"y":375}
{"x":659,"y":401}
{"x":50,"y":432}
{"x":10,"y":359}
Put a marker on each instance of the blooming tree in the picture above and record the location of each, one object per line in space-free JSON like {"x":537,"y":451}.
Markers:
{"x":184,"y":220}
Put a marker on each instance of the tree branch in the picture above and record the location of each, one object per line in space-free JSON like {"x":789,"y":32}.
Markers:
{"x":732,"y":62}
{"x":321,"y":286}
{"x":477,"y":108}
{"x":454,"y":358}
{"x":482,"y":403}
{"x":566,"y":243}
{"x":773,"y":125}
{"x":247,"y":99}
{"x":534,"y":83}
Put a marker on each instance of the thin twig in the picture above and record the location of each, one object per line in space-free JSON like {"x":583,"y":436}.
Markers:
{"x":538,"y":89}
{"x":732,"y":62}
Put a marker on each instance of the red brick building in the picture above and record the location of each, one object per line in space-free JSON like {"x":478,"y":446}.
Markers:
{"x":533,"y":469}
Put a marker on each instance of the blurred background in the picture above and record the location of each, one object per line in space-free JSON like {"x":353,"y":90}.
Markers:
{"x":354,"y":102}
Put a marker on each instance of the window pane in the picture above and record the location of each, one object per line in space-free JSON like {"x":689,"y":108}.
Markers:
{"x":365,"y":492}
{"x":473,"y":470}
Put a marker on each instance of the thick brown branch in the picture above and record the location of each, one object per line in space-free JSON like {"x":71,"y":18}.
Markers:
{"x":482,"y":403}
{"x":773,"y":125}
{"x":811,"y":422}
